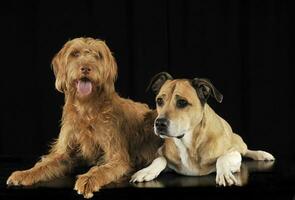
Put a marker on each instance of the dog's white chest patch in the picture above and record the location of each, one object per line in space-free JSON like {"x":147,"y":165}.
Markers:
{"x":187,"y":167}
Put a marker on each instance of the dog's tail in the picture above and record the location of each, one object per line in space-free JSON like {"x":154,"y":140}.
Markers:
{"x":259,"y":155}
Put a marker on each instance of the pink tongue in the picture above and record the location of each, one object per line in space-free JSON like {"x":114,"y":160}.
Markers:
{"x":84,"y":87}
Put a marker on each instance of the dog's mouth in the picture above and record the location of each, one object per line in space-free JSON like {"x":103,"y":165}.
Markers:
{"x":180,"y":136}
{"x":84,"y":86}
{"x":164,"y":135}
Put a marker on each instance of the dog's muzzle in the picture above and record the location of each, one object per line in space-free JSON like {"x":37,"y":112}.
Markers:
{"x":162,"y":125}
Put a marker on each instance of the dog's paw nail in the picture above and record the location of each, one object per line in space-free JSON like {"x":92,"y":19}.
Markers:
{"x":133,"y":180}
{"x":88,"y":195}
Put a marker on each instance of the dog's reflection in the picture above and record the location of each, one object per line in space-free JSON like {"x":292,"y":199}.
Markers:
{"x":173,"y":180}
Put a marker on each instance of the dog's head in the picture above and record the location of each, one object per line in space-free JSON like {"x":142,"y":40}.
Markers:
{"x":83,"y":66}
{"x":180,"y":103}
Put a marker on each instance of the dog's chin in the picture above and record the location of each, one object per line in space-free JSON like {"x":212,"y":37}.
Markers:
{"x":84,"y":87}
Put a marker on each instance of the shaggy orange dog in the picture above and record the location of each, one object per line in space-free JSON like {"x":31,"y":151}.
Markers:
{"x":114,"y":135}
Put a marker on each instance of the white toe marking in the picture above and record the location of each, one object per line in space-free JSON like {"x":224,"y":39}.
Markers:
{"x":150,"y":172}
{"x":226,"y":165}
{"x":263,"y":155}
{"x":259,"y":155}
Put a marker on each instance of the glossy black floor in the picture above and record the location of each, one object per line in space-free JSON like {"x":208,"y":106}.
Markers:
{"x":258,"y":180}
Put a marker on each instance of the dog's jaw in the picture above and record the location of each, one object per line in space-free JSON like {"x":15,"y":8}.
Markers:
{"x":163,"y":136}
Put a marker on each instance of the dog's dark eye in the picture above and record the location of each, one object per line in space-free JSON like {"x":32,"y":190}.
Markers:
{"x":75,"y":53}
{"x":160,"y":102}
{"x":181,"y":103}
{"x":98,"y":56}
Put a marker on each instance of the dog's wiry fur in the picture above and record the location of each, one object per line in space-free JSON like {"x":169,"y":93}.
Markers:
{"x":111,"y":133}
{"x":197,"y":140}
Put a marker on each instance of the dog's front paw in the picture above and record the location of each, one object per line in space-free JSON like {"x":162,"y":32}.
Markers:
{"x":20,"y":178}
{"x":86,"y":185}
{"x":226,"y":178}
{"x":144,"y":175}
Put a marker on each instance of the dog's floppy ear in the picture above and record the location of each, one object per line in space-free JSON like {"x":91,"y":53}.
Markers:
{"x":158,"y":80}
{"x":205,"y":89}
{"x":59,"y":71}
{"x":58,"y":65}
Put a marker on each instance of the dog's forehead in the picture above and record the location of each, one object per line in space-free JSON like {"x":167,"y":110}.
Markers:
{"x":179,"y":87}
{"x":84,"y":43}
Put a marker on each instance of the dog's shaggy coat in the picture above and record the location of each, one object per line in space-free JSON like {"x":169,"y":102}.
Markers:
{"x":114,"y":135}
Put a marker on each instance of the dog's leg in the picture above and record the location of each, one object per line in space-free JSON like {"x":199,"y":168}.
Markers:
{"x":226,"y":165}
{"x":99,"y":176}
{"x":259,"y":155}
{"x":49,"y":167}
{"x":150,"y":172}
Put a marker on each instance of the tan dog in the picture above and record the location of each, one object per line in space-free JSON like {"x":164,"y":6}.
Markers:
{"x":110,"y":133}
{"x":197,"y":140}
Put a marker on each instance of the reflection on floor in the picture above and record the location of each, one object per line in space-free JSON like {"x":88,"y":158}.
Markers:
{"x":272,"y":179}
{"x":209,"y":180}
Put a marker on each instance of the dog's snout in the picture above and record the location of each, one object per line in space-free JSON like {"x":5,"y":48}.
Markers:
{"x":162,"y":124}
{"x":85,"y":69}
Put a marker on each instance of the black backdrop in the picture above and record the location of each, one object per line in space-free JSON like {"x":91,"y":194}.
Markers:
{"x":242,"y":46}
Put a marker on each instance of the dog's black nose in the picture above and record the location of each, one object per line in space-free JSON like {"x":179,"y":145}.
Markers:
{"x":85,"y":69}
{"x":162,"y":124}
